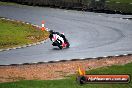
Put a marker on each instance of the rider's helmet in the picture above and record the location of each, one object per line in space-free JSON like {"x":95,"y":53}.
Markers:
{"x":51,"y":31}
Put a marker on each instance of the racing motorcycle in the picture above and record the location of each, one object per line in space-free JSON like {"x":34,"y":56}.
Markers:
{"x":59,"y":41}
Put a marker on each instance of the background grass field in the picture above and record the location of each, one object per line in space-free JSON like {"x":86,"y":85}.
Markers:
{"x":70,"y":82}
{"x":123,"y":6}
{"x":7,"y":3}
{"x":122,"y":1}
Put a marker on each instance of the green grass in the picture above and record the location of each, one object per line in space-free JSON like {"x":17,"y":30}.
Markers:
{"x":122,"y":1}
{"x":16,"y":33}
{"x":7,"y":3}
{"x":71,"y":83}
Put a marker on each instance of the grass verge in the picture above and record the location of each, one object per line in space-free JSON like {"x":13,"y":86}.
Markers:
{"x":121,"y":1}
{"x":7,"y":3}
{"x":14,"y":34}
{"x":122,"y":5}
{"x":70,"y":81}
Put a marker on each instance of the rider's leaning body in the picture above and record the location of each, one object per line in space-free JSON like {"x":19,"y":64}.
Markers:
{"x":57,"y":33}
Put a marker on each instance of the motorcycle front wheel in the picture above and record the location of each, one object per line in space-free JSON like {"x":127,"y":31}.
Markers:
{"x":68,"y":45}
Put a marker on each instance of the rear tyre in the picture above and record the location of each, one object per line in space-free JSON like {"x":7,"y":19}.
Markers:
{"x":60,"y":47}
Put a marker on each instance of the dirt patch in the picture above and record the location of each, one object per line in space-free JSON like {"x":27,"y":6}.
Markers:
{"x":46,"y":71}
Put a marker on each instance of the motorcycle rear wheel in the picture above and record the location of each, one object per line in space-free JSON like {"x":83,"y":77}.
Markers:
{"x":60,"y":47}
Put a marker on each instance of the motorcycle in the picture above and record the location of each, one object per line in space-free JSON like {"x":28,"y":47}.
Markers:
{"x":59,"y":41}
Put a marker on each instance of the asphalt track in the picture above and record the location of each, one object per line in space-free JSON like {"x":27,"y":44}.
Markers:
{"x":90,"y":34}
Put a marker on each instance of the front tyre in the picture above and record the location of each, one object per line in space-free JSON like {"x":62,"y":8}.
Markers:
{"x":68,"y":45}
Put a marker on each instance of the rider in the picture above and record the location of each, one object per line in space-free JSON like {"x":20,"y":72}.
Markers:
{"x":61,"y":35}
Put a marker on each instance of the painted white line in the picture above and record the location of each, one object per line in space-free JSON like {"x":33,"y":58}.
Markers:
{"x":23,"y":22}
{"x":38,"y":43}
{"x":117,"y":55}
{"x":46,"y":61}
{"x":34,"y":44}
{"x":37,"y":26}
{"x":107,"y":1}
{"x":94,"y":57}
{"x":125,"y":54}
{"x":14,"y":48}
{"x":27,"y":23}
{"x":24,"y":46}
{"x":1,"y":50}
{"x":18,"y":21}
{"x":66,"y":11}
{"x":12,"y":20}
{"x":41,"y":42}
{"x":47,"y":29}
{"x":33,"y":24}
{"x":20,"y":64}
{"x":3,"y":18}
{"x":82,"y":58}
{"x":29,"y":45}
{"x":105,"y":56}
{"x":33,"y":63}
{"x":18,"y":47}
{"x":7,"y":49}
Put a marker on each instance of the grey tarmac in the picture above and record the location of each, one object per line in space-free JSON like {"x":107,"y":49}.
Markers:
{"x":90,"y":34}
